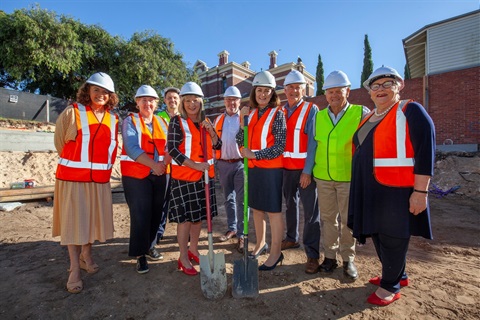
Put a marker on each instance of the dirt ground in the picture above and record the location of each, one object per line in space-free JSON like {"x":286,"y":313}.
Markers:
{"x":444,"y":273}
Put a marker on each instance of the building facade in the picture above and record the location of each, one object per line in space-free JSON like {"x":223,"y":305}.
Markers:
{"x":217,"y":79}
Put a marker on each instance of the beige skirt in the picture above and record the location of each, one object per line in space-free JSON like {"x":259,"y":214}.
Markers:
{"x":82,"y":212}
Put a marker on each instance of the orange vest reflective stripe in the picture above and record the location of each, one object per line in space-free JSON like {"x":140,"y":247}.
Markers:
{"x":77,"y":161}
{"x":219,"y":129}
{"x":297,"y":141}
{"x":261,"y":137}
{"x":148,"y":143}
{"x":191,"y":147}
{"x":392,"y":149}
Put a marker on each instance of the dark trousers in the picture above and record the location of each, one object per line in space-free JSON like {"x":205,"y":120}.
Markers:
{"x":292,"y":193}
{"x":145,"y":198}
{"x":392,"y":253}
{"x":163,"y":222}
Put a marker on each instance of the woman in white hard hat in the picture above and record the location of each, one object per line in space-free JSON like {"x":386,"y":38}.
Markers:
{"x":188,"y":205}
{"x":391,"y":170}
{"x":143,"y":164}
{"x":86,"y":141}
{"x":266,"y":136}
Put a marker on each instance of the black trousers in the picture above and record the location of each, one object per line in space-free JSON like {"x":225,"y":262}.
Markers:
{"x":145,"y":198}
{"x":392,"y":253}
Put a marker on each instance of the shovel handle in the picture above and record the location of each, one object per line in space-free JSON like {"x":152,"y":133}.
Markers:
{"x":245,"y":179}
{"x":203,"y":133}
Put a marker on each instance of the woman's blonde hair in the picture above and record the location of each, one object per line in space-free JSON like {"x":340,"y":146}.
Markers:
{"x":181,"y":108}
{"x":83,"y":97}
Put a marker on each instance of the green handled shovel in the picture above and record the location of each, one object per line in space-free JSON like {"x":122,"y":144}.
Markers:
{"x":245,"y":271}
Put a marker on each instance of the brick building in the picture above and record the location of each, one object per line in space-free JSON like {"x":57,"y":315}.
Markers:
{"x":444,"y":63}
{"x":217,"y":79}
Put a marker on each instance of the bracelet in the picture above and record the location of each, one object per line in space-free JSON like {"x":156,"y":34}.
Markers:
{"x":420,"y":191}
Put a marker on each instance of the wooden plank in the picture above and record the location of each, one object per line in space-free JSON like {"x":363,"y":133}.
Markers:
{"x":9,"y":195}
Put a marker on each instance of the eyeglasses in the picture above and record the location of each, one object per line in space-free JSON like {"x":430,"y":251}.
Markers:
{"x":385,"y":85}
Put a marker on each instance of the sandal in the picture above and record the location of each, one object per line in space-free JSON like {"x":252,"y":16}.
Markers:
{"x":92,"y":268}
{"x":76,"y":286}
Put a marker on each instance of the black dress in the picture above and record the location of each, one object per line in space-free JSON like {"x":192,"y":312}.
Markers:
{"x":375,"y":208}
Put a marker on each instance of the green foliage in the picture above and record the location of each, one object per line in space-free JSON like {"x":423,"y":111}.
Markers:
{"x":147,"y":58}
{"x":319,"y":77}
{"x":50,"y":54}
{"x":367,"y":60}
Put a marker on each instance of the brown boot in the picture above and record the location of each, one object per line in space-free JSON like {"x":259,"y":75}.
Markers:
{"x":312,"y":266}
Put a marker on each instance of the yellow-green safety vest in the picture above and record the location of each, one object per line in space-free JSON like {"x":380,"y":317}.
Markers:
{"x":333,"y":159}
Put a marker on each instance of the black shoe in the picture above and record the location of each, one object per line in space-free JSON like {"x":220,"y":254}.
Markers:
{"x":263,"y":250}
{"x":142,"y":265}
{"x":328,"y":265}
{"x":153,"y":254}
{"x":264,"y":267}
{"x":159,"y":238}
{"x":350,"y":270}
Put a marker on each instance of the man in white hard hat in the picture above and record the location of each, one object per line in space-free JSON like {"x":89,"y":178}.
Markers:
{"x":230,"y":165}
{"x":334,"y":129}
{"x":171,"y":98}
{"x":298,"y":159}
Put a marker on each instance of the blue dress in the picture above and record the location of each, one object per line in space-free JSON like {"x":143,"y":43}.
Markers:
{"x":378,"y":209}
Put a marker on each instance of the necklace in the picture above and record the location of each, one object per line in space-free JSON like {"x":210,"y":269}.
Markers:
{"x":384,"y":112}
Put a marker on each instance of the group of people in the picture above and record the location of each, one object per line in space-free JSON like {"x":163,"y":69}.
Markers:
{"x":358,"y":173}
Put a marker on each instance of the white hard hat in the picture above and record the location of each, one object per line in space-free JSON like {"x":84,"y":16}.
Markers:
{"x":264,"y":79}
{"x":294,"y":76}
{"x":103,"y":80}
{"x":336,"y":79}
{"x":191,"y":88}
{"x":232,"y":91}
{"x":383,"y":72}
{"x":146,"y":91}
{"x":168,"y":89}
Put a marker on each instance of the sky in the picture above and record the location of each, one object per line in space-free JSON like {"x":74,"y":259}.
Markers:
{"x":250,"y":29}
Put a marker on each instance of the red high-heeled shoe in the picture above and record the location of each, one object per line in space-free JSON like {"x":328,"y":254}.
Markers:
{"x":376,"y":300}
{"x":193,"y":257}
{"x":188,"y":271}
{"x":376,"y":281}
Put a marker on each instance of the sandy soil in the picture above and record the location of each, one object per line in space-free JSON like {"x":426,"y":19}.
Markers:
{"x":444,"y":274}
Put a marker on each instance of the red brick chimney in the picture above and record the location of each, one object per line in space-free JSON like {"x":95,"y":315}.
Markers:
{"x":273,"y":59}
{"x":223,"y":57}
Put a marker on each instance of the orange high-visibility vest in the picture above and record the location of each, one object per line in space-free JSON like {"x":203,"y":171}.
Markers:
{"x":191,"y":147}
{"x":297,"y":141}
{"x":392,"y":149}
{"x":148,"y":143}
{"x":90,"y":157}
{"x":261,"y":137}
{"x":219,"y":129}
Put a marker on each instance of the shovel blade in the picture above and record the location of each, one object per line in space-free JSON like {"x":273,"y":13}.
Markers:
{"x":213,"y":277}
{"x":245,"y":278}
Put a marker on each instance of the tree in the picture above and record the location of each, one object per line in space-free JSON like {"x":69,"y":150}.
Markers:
{"x":147,"y":58}
{"x":45,"y":53}
{"x":319,"y":77}
{"x":406,"y":72}
{"x":367,"y":60}
{"x":34,"y":45}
